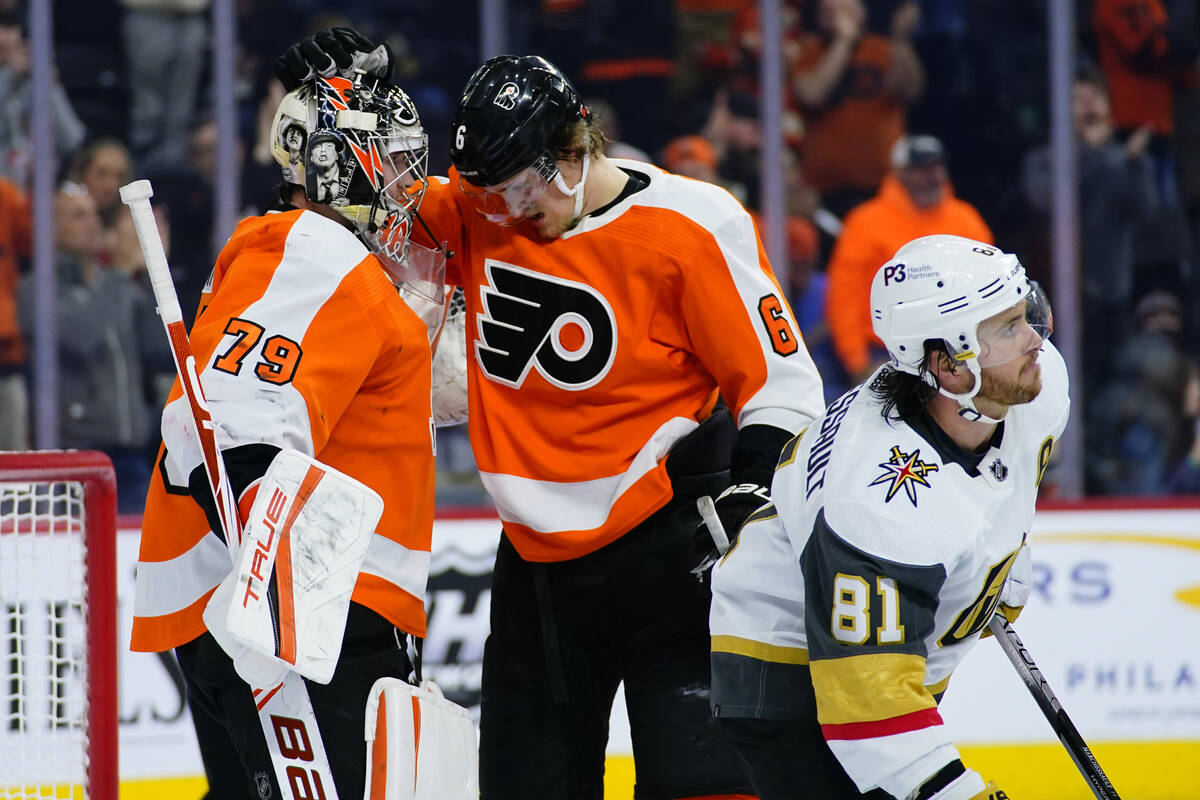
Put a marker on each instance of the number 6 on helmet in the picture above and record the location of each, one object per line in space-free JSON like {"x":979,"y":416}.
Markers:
{"x":420,"y":746}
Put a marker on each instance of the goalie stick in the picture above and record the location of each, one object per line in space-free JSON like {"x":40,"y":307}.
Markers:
{"x":285,"y":711}
{"x":1077,"y":748}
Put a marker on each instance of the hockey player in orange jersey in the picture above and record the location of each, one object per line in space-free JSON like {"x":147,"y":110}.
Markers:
{"x":608,"y":303}
{"x":303,"y":342}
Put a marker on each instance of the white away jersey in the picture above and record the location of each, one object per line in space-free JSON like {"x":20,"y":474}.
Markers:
{"x":878,"y":565}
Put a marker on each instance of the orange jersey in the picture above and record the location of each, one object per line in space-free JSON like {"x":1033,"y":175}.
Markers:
{"x":304,"y":343}
{"x":595,"y":352}
{"x":847,"y":142}
{"x":15,"y":242}
{"x":1131,"y":39}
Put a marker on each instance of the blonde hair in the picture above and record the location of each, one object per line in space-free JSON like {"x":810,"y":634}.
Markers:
{"x":579,"y":137}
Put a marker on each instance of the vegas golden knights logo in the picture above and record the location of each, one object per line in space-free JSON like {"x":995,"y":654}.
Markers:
{"x":976,"y":615}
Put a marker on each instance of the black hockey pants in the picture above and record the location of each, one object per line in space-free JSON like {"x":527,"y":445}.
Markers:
{"x":232,"y":746}
{"x":564,"y":635}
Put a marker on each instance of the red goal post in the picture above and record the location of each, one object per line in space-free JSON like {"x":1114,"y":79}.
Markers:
{"x":58,"y":685}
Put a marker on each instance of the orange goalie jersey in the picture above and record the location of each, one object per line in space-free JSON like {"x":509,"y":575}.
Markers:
{"x":592,"y":354}
{"x":302,"y":342}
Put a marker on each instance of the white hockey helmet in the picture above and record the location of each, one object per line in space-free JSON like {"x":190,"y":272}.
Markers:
{"x":943,"y":287}
{"x":358,"y":147}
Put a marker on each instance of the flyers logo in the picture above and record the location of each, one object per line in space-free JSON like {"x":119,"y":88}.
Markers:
{"x":566,"y":330}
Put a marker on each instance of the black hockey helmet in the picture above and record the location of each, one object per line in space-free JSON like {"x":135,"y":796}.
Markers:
{"x":509,"y":114}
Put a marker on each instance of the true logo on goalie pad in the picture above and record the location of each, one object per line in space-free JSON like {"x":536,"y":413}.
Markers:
{"x":306,"y":536}
{"x":262,"y":550}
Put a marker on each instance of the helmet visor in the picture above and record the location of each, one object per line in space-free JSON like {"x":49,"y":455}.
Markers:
{"x":1017,"y":330}
{"x":509,"y":202}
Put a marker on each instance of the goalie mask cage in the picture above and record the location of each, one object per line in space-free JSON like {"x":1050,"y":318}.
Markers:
{"x":58,"y":626}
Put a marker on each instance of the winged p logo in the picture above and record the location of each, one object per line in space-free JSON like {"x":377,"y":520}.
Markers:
{"x":506,"y":98}
{"x":565,"y":330}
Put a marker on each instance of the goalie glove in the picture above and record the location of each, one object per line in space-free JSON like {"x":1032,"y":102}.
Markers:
{"x":333,"y":51}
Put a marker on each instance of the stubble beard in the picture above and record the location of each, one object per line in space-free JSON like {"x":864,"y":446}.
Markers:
{"x":1011,"y":392}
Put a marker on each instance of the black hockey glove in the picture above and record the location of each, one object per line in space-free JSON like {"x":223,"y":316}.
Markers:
{"x":332,"y":51}
{"x":734,"y":506}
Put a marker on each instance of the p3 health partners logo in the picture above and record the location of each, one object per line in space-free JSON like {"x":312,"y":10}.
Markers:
{"x":460,"y":602}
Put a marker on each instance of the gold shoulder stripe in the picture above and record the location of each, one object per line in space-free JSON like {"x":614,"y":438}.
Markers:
{"x":760,"y":651}
{"x":766,"y":512}
{"x":788,"y":454}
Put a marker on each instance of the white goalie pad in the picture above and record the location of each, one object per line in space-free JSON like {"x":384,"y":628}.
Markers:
{"x":420,"y":746}
{"x":287,"y":597}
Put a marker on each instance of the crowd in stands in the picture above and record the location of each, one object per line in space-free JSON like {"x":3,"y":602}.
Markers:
{"x":901,"y":118}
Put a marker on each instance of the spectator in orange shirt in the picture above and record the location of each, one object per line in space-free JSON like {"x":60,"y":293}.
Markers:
{"x":916,"y":199}
{"x":853,"y":88}
{"x":1144,"y":62}
{"x":15,"y":233}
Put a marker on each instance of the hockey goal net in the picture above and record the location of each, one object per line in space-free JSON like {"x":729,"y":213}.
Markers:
{"x":58,"y":631}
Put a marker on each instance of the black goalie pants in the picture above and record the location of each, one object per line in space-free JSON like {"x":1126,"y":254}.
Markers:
{"x":564,"y":635}
{"x":232,"y":745}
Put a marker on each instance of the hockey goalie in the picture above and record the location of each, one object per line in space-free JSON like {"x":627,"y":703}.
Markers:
{"x":312,"y":349}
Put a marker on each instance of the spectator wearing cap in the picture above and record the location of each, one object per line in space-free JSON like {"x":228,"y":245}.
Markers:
{"x":853,"y":88}
{"x":915,"y":199}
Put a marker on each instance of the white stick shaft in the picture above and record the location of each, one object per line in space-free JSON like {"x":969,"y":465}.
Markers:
{"x":708,"y":513}
{"x":152,"y":249}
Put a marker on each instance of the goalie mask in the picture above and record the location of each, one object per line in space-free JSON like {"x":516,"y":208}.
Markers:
{"x":358,"y":147}
{"x":949,"y":288}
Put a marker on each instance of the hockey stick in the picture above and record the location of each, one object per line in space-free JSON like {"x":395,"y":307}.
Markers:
{"x":1077,"y":748}
{"x":285,"y":711}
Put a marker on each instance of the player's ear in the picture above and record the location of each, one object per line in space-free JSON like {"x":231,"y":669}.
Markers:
{"x":942,"y":366}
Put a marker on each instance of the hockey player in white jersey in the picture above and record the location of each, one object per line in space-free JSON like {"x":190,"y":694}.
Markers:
{"x":898,"y":527}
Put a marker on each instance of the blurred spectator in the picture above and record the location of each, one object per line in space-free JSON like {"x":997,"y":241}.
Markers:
{"x":915,"y":200}
{"x":1116,"y":194}
{"x":808,"y":293}
{"x":186,"y":195}
{"x":106,"y":332}
{"x":1144,"y":61}
{"x":1184,"y":477}
{"x":621,"y":51}
{"x":609,"y":122}
{"x":15,"y":235}
{"x":1137,"y":430}
{"x":852,"y":88}
{"x":103,"y":167}
{"x":693,"y":157}
{"x":736,"y":135}
{"x":165,"y":43}
{"x":16,"y":98}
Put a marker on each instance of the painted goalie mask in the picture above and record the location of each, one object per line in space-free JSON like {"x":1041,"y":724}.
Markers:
{"x":358,"y":147}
